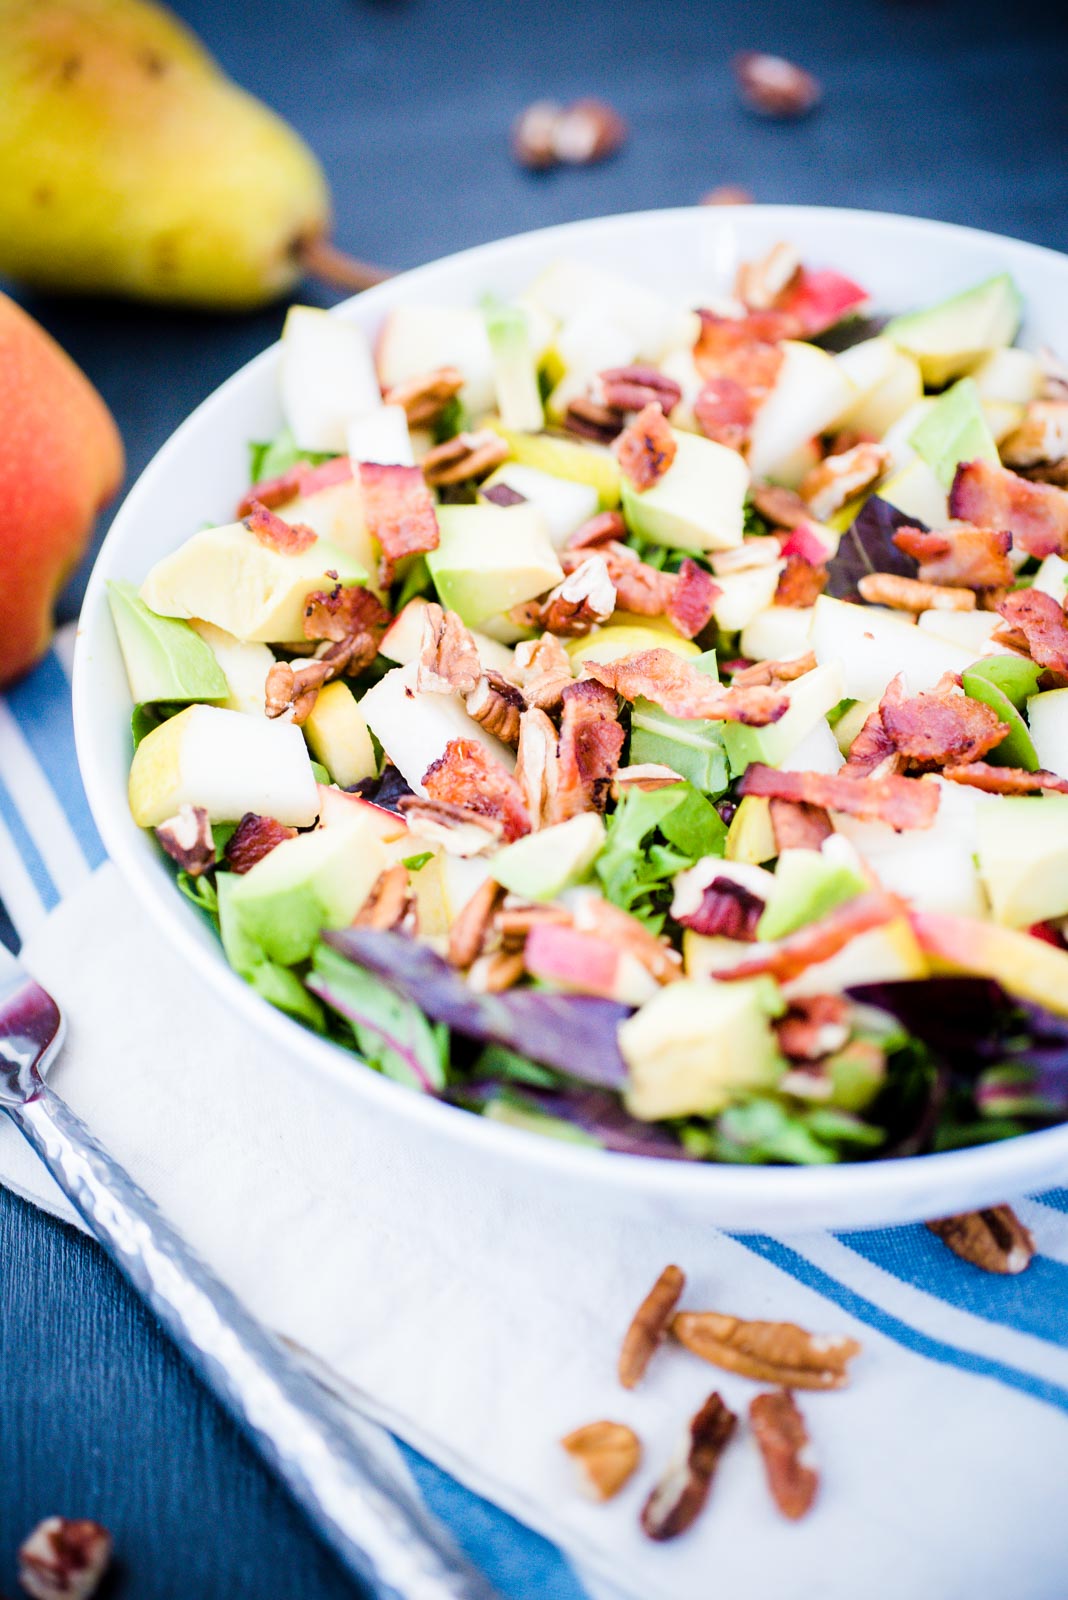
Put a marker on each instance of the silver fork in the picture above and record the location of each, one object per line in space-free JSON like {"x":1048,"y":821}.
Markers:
{"x":381,"y":1532}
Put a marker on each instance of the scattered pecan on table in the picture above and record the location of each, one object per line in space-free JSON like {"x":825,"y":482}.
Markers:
{"x":679,"y":1497}
{"x":606,"y":1455}
{"x":64,"y":1558}
{"x":774,"y":86}
{"x":995,"y":1239}
{"x":772,"y":1352}
{"x":649,"y":1326}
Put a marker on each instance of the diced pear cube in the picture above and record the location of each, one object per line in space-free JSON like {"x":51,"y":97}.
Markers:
{"x":227,"y":763}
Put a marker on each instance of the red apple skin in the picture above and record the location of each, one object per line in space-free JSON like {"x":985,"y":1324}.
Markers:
{"x":576,"y":961}
{"x":61,"y":461}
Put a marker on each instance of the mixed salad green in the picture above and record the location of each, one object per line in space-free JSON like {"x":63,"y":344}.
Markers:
{"x":640,"y":723}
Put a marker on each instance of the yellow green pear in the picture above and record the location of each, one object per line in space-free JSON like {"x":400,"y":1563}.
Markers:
{"x":129,"y":164}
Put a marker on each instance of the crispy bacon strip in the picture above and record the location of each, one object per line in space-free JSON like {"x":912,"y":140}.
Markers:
{"x":960,"y":555}
{"x":724,"y":410}
{"x":765,"y":672}
{"x":252,"y":839}
{"x":606,"y":527}
{"x":300,"y":481}
{"x":588,"y":752}
{"x":746,"y":349}
{"x":399,"y":512}
{"x":800,"y":583}
{"x":818,"y":941}
{"x":873,"y":750}
{"x":672,"y":683}
{"x":646,"y":447}
{"x":900,"y":802}
{"x":468,"y":776}
{"x":1005,"y":780}
{"x":798,"y":825}
{"x":272,"y":531}
{"x":353,"y":619}
{"x":1036,"y":514}
{"x":939,"y":726}
{"x":1042,"y":622}
{"x":692,"y":602}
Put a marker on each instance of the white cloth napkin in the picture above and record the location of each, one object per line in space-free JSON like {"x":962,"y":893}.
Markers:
{"x":481,"y":1319}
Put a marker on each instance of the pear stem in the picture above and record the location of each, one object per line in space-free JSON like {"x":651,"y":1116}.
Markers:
{"x":323,"y":260}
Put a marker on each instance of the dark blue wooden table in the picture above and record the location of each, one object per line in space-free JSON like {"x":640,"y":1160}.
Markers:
{"x":954,"y":110}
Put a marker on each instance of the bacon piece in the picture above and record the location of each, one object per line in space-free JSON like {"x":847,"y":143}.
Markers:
{"x":900,"y":802}
{"x":672,"y":683}
{"x":468,"y":776}
{"x":939,"y":726}
{"x":588,"y":752}
{"x":353,"y":619}
{"x":1042,"y":622}
{"x":765,"y":672}
{"x":960,"y":554}
{"x":606,"y":527}
{"x":641,"y":589}
{"x":252,"y":839}
{"x":1005,"y":780}
{"x":727,"y":911}
{"x":873,"y":750}
{"x":646,"y":447}
{"x":272,"y":531}
{"x":815,"y":1026}
{"x":800,"y":583}
{"x":301,"y":480}
{"x":692,"y":602}
{"x":818,"y":941}
{"x":724,"y":410}
{"x":399,"y":512}
{"x":746,"y":349}
{"x":1036,"y":514}
{"x":798,"y":825}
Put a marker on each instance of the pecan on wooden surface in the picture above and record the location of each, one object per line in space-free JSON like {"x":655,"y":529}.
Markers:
{"x":64,"y":1558}
{"x":771,"y":1352}
{"x":649,"y":1326}
{"x":780,"y":1432}
{"x":774,"y":86}
{"x":679,"y":1497}
{"x":995,"y":1239}
{"x":606,"y":1455}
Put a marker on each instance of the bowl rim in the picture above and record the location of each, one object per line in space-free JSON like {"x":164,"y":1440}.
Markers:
{"x":889,"y":1185}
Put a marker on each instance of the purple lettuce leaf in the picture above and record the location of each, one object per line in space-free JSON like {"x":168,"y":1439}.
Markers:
{"x":385,"y":791}
{"x":593,"y":1111}
{"x":868,"y":546}
{"x":574,"y":1034}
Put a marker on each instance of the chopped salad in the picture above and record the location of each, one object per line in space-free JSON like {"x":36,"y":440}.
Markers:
{"x":643,"y":723}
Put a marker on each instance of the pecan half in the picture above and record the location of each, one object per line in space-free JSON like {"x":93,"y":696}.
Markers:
{"x":588,"y":131}
{"x":606,"y":1455}
{"x":912,"y":594}
{"x":679,"y":1497}
{"x":534,"y":134}
{"x":468,"y":456}
{"x":592,"y":419}
{"x":995,"y":1239}
{"x":252,"y":839}
{"x":64,"y":1558}
{"x":760,"y":284}
{"x":542,"y":668}
{"x":187,"y":839}
{"x":1042,"y":437}
{"x":496,"y":971}
{"x":448,"y":660}
{"x":774,"y":86}
{"x":425,"y":397}
{"x":457,"y":829}
{"x":783,"y":508}
{"x":780,"y":1432}
{"x":771,"y":1352}
{"x":497,"y":706}
{"x":586,"y":597}
{"x":292,"y":688}
{"x":632,"y":388}
{"x":388,"y":902}
{"x":537,"y":765}
{"x":646,"y":776}
{"x":727,"y":194}
{"x":764,"y":673}
{"x":838,"y":478}
{"x":649,"y":1325}
{"x":471,"y":926}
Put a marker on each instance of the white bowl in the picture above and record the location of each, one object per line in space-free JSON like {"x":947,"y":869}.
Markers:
{"x":200,"y":474}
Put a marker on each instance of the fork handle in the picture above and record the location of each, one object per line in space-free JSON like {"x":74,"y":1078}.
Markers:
{"x":381,"y":1532}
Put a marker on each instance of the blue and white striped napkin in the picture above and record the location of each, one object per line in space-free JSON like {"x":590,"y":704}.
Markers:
{"x":479,"y":1323}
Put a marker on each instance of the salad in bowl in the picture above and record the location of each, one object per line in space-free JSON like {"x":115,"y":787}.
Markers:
{"x":642,"y":719}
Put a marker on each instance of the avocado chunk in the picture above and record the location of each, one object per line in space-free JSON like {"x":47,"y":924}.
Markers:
{"x":698,"y":504}
{"x":276,"y":984}
{"x":1023,"y":857}
{"x":1004,"y":683}
{"x":807,"y":887}
{"x":317,"y":880}
{"x":954,"y":430}
{"x":228,"y":576}
{"x":696,"y":1046}
{"x":544,"y":864}
{"x":515,"y":374}
{"x":165,"y":660}
{"x":811,"y":697}
{"x":950,"y":338}
{"x":491,"y":558}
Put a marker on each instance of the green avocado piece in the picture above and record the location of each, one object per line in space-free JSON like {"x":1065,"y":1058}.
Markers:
{"x":166,"y":661}
{"x":950,"y":338}
{"x":491,"y":558}
{"x":1023,"y":857}
{"x":317,"y":880}
{"x":954,"y":430}
{"x":544,"y":864}
{"x":689,"y":747}
{"x":275,"y":983}
{"x":807,"y":886}
{"x":1004,"y":683}
{"x":698,"y":503}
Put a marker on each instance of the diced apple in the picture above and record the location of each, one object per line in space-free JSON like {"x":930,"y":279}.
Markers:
{"x":871,"y":646}
{"x":811,"y":390}
{"x":381,"y":436}
{"x":563,"y":504}
{"x":811,"y":697}
{"x":226,"y":762}
{"x":415,"y":339}
{"x":543,"y":864}
{"x":744,"y":596}
{"x":866,"y":365}
{"x":327,"y":376}
{"x":777,"y":633}
{"x":414,"y":729}
{"x":916,"y":491}
{"x":888,"y":954}
{"x":970,"y":629}
{"x":1023,"y":856}
{"x":582,"y":963}
{"x":1009,"y":374}
{"x":339,"y":809}
{"x":244,"y":666}
{"x":567,"y":288}
{"x":1030,"y":968}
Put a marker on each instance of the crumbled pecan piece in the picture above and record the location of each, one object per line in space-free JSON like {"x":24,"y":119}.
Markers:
{"x":497,"y":706}
{"x":187,"y":839}
{"x":815,"y":1026}
{"x":724,"y":411}
{"x":587,"y":131}
{"x":496,"y":971}
{"x":798,"y":825}
{"x":288,"y":538}
{"x":901,"y":802}
{"x":771,"y":1352}
{"x":457,"y":829}
{"x":760,"y":284}
{"x":726,"y":194}
{"x":758,"y":550}
{"x":606,"y":527}
{"x":464,"y":458}
{"x":1042,"y":437}
{"x":960,"y":555}
{"x":537,"y":765}
{"x":470,"y":928}
{"x":800,"y":583}
{"x":995,"y":1239}
{"x":679,"y":1497}
{"x":633,"y":388}
{"x":592,"y":419}
{"x":838,"y":478}
{"x":64,"y":1558}
{"x":783,"y":508}
{"x":912,"y":594}
{"x":774,"y":86}
{"x":252,"y":839}
{"x":646,"y":448}
{"x":606,"y":1455}
{"x":646,"y":776}
{"x":343,"y":614}
{"x":586,"y":597}
{"x":467,"y":775}
{"x":292,"y":688}
{"x":388,"y":902}
{"x":542,"y":668}
{"x":448,"y":660}
{"x":588,"y":751}
{"x":425,"y":397}
{"x":762,"y":673}
{"x":649,"y":1326}
{"x":675,"y":686}
{"x":780,"y":1432}
{"x":640,"y":589}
